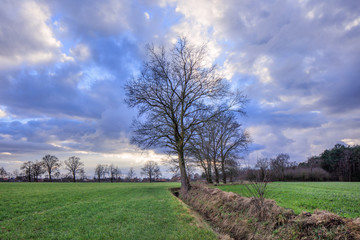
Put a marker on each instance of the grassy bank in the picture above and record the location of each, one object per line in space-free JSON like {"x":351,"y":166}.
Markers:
{"x":95,"y":211}
{"x":342,"y":198}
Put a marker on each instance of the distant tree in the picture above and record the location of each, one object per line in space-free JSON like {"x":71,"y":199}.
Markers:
{"x":26,"y":167}
{"x":150,"y":169}
{"x":177,"y":91}
{"x":279,"y":164}
{"x":82,"y":174}
{"x":100,"y":171}
{"x":15,"y":173}
{"x":74,"y":166}
{"x":37,"y":169}
{"x":157,"y":173}
{"x":57,"y":175}
{"x":263,"y":165}
{"x":3,"y":173}
{"x":114,"y":172}
{"x":131,"y":173}
{"x":232,"y":168}
{"x":51,"y":164}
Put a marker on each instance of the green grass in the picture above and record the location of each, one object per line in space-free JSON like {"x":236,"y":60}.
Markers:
{"x":95,"y":211}
{"x":342,"y":198}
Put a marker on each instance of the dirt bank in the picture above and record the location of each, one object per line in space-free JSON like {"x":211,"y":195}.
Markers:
{"x":240,"y":218}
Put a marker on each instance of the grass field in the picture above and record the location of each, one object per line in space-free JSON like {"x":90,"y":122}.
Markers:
{"x":95,"y":211}
{"x":342,"y":198}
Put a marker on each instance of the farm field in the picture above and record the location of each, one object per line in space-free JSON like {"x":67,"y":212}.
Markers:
{"x":342,"y":198}
{"x":95,"y":211}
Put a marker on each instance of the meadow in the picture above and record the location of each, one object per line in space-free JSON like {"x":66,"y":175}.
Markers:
{"x":96,"y":211}
{"x":342,"y":198}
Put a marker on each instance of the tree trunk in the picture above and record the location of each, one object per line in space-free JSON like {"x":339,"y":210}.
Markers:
{"x":223,"y":171}
{"x":209,"y":172}
{"x":216,"y":171}
{"x":74,"y":178}
{"x":50,"y":176}
{"x":185,"y":183}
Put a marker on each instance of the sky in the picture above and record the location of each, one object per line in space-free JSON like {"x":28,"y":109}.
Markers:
{"x":63,"y":66}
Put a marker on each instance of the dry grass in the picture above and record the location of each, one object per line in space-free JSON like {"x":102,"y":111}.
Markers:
{"x":240,"y":218}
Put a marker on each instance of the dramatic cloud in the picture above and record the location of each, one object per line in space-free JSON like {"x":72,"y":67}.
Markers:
{"x":26,"y":38}
{"x":63,"y":65}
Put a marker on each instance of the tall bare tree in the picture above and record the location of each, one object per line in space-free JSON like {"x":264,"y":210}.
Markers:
{"x":74,"y":166}
{"x":151,"y":170}
{"x":176,"y":91}
{"x":51,"y":164}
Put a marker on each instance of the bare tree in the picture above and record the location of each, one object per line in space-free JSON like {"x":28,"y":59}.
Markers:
{"x":15,"y":173}
{"x":200,"y":151}
{"x":26,"y":167}
{"x":51,"y":164}
{"x":100,"y":171}
{"x":74,"y":166}
{"x":232,"y":140}
{"x":157,"y":173}
{"x":218,"y":142}
{"x":114,"y":172}
{"x":279,"y":164}
{"x":263,"y":165}
{"x":37,"y":169}
{"x":3,"y":173}
{"x":177,"y":91}
{"x":131,"y":173}
{"x":82,"y":174}
{"x":151,"y":170}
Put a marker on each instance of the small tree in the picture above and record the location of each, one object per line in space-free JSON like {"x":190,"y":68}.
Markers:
{"x":263,"y":165}
{"x":26,"y":167}
{"x":114,"y":172}
{"x":258,"y":190}
{"x":37,"y":169}
{"x":131,"y":174}
{"x":100,"y":171}
{"x":51,"y":164}
{"x":151,"y":170}
{"x":74,"y":166}
{"x":279,"y":164}
{"x":3,"y":173}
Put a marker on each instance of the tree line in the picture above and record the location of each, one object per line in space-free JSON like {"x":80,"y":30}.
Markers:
{"x":50,"y":164}
{"x":341,"y":162}
{"x":32,"y":170}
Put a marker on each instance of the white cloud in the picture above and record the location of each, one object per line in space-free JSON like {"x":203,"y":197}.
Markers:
{"x":2,"y":113}
{"x":81,"y":52}
{"x":26,"y":35}
{"x":352,"y":24}
{"x":147,"y":16}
